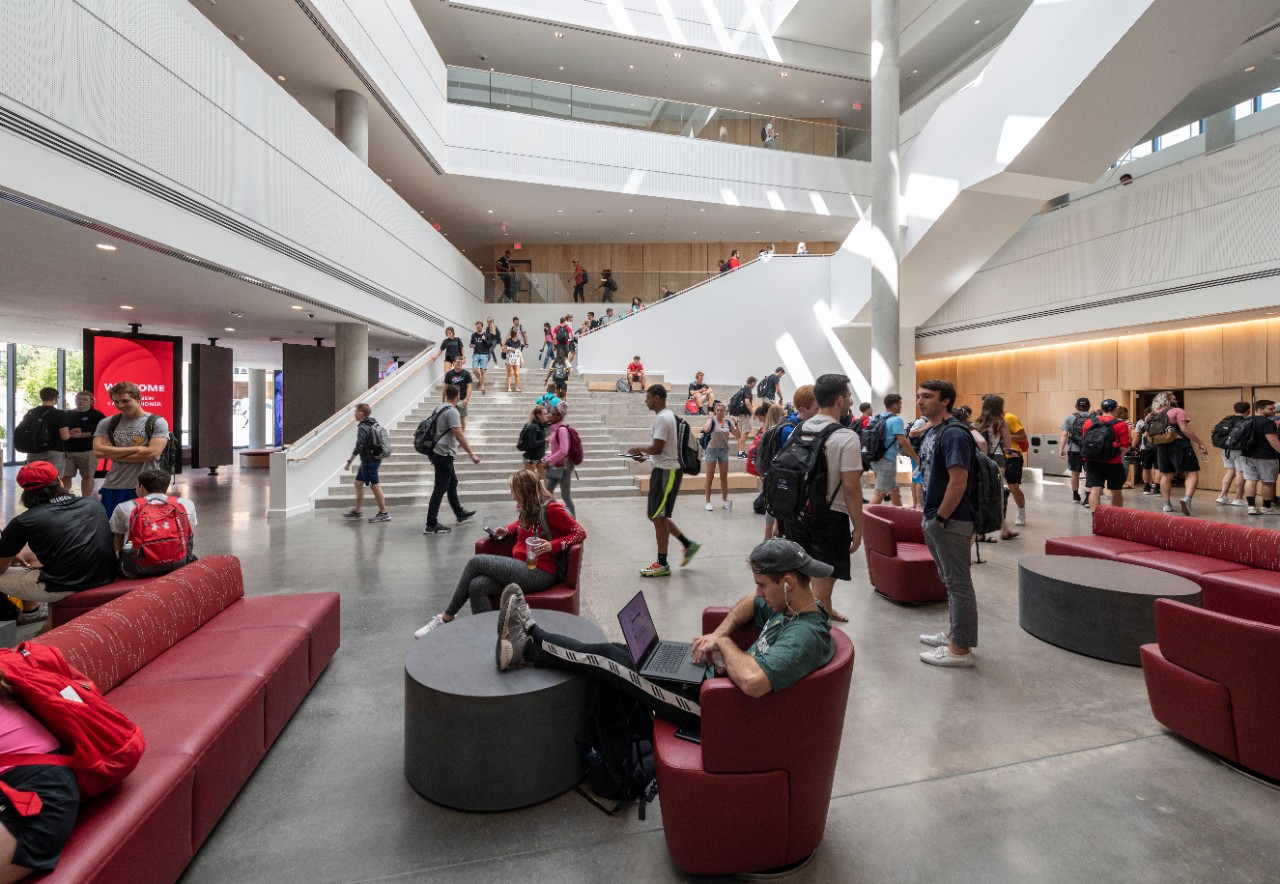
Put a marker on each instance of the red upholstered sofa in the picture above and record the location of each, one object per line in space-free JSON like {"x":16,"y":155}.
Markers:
{"x":1213,"y":676}
{"x":74,"y":605}
{"x":560,"y":597}
{"x":743,"y":800}
{"x":898,"y":562}
{"x":1225,"y":560}
{"x":212,"y":678}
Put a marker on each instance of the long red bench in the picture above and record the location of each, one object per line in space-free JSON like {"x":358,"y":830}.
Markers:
{"x":212,"y":678}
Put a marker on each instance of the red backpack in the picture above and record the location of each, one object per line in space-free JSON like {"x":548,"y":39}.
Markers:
{"x":575,"y":446}
{"x":691,"y":407}
{"x":159,"y":537}
{"x":102,"y":745}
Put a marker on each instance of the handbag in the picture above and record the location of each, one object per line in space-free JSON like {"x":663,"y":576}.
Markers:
{"x":555,"y":472}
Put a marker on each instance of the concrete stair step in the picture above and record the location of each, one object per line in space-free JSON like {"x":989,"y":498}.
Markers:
{"x":470,"y":496}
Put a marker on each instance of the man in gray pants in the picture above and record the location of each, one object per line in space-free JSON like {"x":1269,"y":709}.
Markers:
{"x":946,"y":461}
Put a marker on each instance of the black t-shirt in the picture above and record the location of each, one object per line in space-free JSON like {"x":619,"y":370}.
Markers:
{"x":695,"y":388}
{"x":460,"y":378}
{"x":1262,"y":428}
{"x":87,"y":422}
{"x":480,"y":343}
{"x":72,"y":539}
{"x":452,"y":348}
{"x":53,"y":420}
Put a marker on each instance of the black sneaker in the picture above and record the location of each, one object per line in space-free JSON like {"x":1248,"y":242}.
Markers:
{"x":1075,"y":495}
{"x":464,"y":515}
{"x":436,"y":529}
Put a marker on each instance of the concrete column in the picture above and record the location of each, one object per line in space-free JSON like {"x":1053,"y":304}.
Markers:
{"x":885,"y":172}
{"x":257,"y":408}
{"x":351,"y":361}
{"x":1220,"y":130}
{"x":351,"y":122}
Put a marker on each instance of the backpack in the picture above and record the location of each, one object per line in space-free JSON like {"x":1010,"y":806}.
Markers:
{"x":691,"y":407}
{"x":611,"y":284}
{"x":381,"y":442}
{"x":874,"y":445}
{"x":1099,"y":443}
{"x":427,"y":434}
{"x":562,"y":335}
{"x":102,"y":745}
{"x":171,"y":454}
{"x":586,"y":277}
{"x":1159,"y":430}
{"x":1241,"y":436}
{"x":160,"y":539}
{"x":762,"y":388}
{"x":987,"y":499}
{"x":560,"y":374}
{"x":524,"y":443}
{"x":32,"y":433}
{"x":617,"y":746}
{"x":575,"y":446}
{"x":764,"y":134}
{"x":753,"y":451}
{"x":1075,"y":432}
{"x":769,"y":443}
{"x":738,"y":403}
{"x":1222,"y":430}
{"x":799,"y":470}
{"x":690,"y":453}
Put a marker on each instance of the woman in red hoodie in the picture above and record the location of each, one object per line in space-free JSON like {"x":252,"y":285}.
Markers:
{"x":543,"y":529}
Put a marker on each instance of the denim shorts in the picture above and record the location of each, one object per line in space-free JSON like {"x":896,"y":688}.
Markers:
{"x":480,"y":361}
{"x":368,"y":472}
{"x":716,"y":455}
{"x":886,"y":472}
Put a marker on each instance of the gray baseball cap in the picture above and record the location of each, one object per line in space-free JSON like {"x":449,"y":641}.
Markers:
{"x":777,"y":556}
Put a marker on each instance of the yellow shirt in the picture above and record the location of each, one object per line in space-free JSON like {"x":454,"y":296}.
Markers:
{"x":1015,"y":427}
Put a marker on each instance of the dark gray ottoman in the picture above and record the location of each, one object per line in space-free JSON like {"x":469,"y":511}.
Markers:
{"x":479,"y":739}
{"x":1094,"y":607}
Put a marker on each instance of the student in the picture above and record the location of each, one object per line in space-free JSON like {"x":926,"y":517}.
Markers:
{"x":635,"y":374}
{"x":1108,"y":470}
{"x":81,"y":422}
{"x":721,"y":427}
{"x":459,"y":377}
{"x":770,"y":386}
{"x":1069,"y":445}
{"x":548,"y":345}
{"x":741,"y":405}
{"x":451,"y":348}
{"x":664,"y":482}
{"x":513,"y":349}
{"x":533,"y":436}
{"x":153,"y":487}
{"x":1176,"y":456}
{"x":370,"y":462}
{"x":55,"y":425}
{"x":609,"y":284}
{"x":449,"y":438}
{"x":557,"y":374}
{"x":480,"y":354}
{"x":125,"y":443}
{"x":636,"y":306}
{"x":886,"y":468}
{"x":701,"y":392}
{"x":559,"y":466}
{"x":579,"y":282}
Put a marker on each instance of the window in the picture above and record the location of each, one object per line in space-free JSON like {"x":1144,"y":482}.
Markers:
{"x":1267,"y":99}
{"x":1244,"y":108}
{"x":1177,"y":136}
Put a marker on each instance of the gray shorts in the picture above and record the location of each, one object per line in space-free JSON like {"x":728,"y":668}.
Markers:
{"x":886,"y":470}
{"x":1259,"y":469}
{"x":57,"y":458}
{"x":664,"y":486}
{"x":1231,"y":460}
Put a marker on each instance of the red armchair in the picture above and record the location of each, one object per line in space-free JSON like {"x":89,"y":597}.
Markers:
{"x":898,"y":562}
{"x":1212,"y":679}
{"x":560,"y":597}
{"x":770,"y":801}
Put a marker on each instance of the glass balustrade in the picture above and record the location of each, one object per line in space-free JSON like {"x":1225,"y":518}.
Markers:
{"x":600,"y":106}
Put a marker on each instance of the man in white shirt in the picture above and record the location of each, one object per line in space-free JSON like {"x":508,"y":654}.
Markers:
{"x":664,"y":481}
{"x":153,"y":487}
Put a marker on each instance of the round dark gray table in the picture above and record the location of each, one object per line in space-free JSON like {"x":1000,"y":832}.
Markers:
{"x":1095,"y":607}
{"x":479,"y":739}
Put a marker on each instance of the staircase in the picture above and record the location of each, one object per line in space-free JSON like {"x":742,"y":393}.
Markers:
{"x":608,"y":424}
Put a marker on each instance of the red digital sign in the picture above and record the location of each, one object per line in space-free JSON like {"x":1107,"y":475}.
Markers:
{"x":153,"y":362}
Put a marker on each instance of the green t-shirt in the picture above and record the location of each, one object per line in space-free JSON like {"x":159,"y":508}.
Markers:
{"x":789,"y":648}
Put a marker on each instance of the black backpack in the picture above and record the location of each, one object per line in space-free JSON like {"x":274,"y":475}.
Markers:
{"x":1222,"y":430}
{"x":738,"y":403}
{"x":32,"y":432}
{"x":524,"y":443}
{"x":560,"y":373}
{"x":586,"y":277}
{"x":428,"y":433}
{"x":562,"y":335}
{"x":767,"y":449}
{"x":764,"y":134}
{"x":795,"y":489}
{"x":1241,"y":436}
{"x":987,"y":498}
{"x":874,"y":445}
{"x":617,"y":747}
{"x":690,"y":453}
{"x":1076,"y":432}
{"x":762,"y":388}
{"x":1099,"y":442}
{"x":169,"y":458}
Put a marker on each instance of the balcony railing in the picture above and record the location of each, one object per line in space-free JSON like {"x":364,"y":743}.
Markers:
{"x":550,"y":99}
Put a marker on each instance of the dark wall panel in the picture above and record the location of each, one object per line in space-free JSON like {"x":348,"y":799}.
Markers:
{"x":309,"y":397}
{"x":211,"y":398}
{"x":373,"y":370}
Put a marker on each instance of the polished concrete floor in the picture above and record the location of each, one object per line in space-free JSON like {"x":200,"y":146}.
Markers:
{"x":1037,"y":765}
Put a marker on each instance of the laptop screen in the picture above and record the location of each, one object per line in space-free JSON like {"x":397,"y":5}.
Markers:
{"x":637,"y":628}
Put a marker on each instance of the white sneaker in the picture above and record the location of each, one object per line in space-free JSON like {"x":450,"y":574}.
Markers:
{"x":1253,"y":511}
{"x":1021,"y":519}
{"x":1167,"y":508}
{"x":709,"y":506}
{"x":1185,"y":503}
{"x":1240,"y":502}
{"x":1221,"y":501}
{"x":437,"y":620}
{"x":728,"y":504}
{"x":942,"y":656}
{"x":936,"y":640}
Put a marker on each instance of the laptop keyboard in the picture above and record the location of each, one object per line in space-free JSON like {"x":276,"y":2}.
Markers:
{"x":667,"y":658}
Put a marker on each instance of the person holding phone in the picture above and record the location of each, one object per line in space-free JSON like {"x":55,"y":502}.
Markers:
{"x":543,"y":529}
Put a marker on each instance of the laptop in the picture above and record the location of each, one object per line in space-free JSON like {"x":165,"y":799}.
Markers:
{"x":656,"y":660}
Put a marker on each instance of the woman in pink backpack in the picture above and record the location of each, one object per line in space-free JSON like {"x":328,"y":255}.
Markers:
{"x":558,"y":460}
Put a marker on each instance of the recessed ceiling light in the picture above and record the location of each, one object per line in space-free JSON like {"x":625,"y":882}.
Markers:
{"x":559,"y":36}
{"x":782,"y":74}
{"x":915,"y":72}
{"x":106,"y":247}
{"x":491,"y":211}
{"x":677,"y":55}
{"x":633,"y":67}
{"x":561,"y":67}
{"x":388,"y":180}
{"x":1251,"y":68}
{"x":824,"y":101}
{"x":298,"y":307}
{"x":630,"y":210}
{"x":125,"y":307}
{"x":236,"y":313}
{"x":94,"y":328}
{"x":280,"y":77}
{"x":977,"y":21}
{"x":560,"y":211}
{"x":228,"y":328}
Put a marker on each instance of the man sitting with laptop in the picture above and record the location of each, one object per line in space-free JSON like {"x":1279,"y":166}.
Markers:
{"x":795,"y":639}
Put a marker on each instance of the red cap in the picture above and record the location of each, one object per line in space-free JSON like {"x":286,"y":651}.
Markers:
{"x":37,"y":475}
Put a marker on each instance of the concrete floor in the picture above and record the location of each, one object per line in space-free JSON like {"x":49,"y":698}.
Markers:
{"x":1035,"y":766}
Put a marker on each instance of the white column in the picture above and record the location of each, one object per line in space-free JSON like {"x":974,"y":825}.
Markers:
{"x":885,"y":171}
{"x":257,"y":408}
{"x":351,"y":122}
{"x":351,"y":361}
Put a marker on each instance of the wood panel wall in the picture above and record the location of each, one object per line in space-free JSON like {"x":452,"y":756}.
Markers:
{"x":1223,"y":363}
{"x":698,"y":257}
